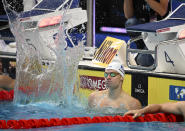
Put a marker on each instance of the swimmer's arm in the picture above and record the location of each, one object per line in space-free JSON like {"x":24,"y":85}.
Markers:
{"x":128,"y":8}
{"x":175,"y":108}
{"x":160,"y":7}
{"x":148,"y":109}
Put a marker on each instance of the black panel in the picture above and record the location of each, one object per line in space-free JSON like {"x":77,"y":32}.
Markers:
{"x":109,"y":13}
{"x":140,"y":88}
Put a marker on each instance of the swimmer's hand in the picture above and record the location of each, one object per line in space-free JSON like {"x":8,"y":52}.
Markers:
{"x":135,"y":113}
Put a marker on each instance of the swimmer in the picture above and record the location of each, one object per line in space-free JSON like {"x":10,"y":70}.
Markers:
{"x":114,"y":96}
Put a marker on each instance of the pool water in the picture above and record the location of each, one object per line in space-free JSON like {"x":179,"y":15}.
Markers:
{"x":10,"y":111}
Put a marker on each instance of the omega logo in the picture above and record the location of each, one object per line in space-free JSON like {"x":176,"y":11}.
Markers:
{"x":139,"y":89}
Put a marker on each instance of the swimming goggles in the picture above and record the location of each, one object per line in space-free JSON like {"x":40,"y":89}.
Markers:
{"x":112,"y":74}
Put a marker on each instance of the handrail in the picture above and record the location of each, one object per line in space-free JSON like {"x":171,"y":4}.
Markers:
{"x":129,"y":50}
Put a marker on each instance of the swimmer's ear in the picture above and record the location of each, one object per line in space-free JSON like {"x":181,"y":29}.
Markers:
{"x":121,"y":78}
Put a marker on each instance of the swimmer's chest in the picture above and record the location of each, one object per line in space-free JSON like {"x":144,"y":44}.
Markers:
{"x":112,"y":103}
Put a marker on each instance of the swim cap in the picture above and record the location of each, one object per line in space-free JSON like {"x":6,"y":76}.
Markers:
{"x":117,"y":66}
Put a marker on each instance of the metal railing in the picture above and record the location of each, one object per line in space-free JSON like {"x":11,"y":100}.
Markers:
{"x":129,"y":50}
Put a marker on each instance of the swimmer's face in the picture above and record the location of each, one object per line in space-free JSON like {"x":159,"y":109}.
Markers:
{"x":112,"y":78}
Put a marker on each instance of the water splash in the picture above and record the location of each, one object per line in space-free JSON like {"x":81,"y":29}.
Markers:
{"x":35,"y":82}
